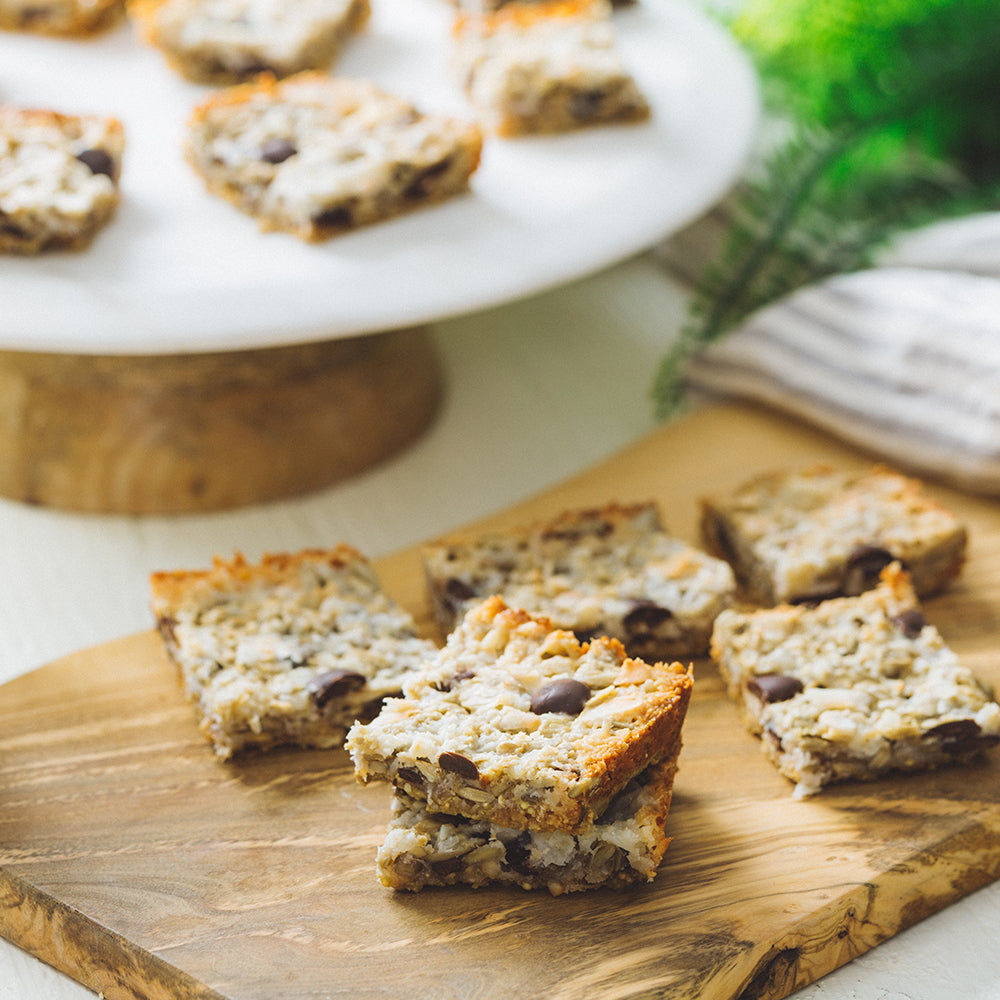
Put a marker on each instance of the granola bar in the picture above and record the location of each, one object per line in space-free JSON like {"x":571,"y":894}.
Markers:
{"x":291,"y":650}
{"x":546,"y":67}
{"x":853,"y":688}
{"x":612,"y":571}
{"x":821,"y":532}
{"x":517,"y":723}
{"x":623,"y":847}
{"x":59,"y":178}
{"x":316,"y":156}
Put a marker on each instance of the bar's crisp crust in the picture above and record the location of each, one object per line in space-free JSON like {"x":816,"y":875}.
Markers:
{"x":821,"y":532}
{"x":465,"y":738}
{"x":172,"y":588}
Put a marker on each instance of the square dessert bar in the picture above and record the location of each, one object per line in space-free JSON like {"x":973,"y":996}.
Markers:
{"x":58,"y":178}
{"x":316,"y":156}
{"x":819,"y":533}
{"x":291,"y":650}
{"x":519,"y":724}
{"x":623,"y":847}
{"x":854,"y":687}
{"x":229,"y":41}
{"x":612,"y":571}
{"x":59,"y":17}
{"x":546,"y":67}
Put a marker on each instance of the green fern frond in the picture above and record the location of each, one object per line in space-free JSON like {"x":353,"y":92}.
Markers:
{"x":892,"y":106}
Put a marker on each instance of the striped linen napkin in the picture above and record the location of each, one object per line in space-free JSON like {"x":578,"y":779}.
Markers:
{"x":902,"y":360}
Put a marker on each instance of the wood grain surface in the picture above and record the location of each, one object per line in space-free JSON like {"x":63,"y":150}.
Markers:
{"x":131,"y":859}
{"x":170,"y":434}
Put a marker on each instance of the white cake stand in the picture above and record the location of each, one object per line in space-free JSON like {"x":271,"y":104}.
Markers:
{"x":187,"y":362}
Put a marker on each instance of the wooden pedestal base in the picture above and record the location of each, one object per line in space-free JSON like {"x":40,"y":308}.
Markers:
{"x":197,"y":432}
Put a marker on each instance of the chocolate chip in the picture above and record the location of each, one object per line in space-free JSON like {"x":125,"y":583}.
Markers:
{"x":962,"y":737}
{"x":99,"y":161}
{"x":773,"y":738}
{"x":718,"y":537}
{"x":458,"y":589}
{"x":563,"y":695}
{"x":167,"y":627}
{"x":411,"y":776}
{"x":517,"y":853}
{"x":645,"y":617}
{"x":333,"y":683}
{"x":446,"y":684}
{"x":456,"y":593}
{"x":815,"y":600}
{"x":774,"y":687}
{"x":586,"y":105}
{"x":276,"y":150}
{"x":593,"y":528}
{"x":419,"y":185}
{"x":250,"y":67}
{"x":910,"y":622}
{"x":33,"y":14}
{"x":957,"y":729}
{"x":10,"y":228}
{"x":446,"y":866}
{"x":457,"y":764}
{"x":863,"y":567}
{"x":338,"y":217}
{"x":560,"y":535}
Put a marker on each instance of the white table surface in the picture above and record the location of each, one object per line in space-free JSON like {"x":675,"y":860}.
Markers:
{"x":537,"y":391}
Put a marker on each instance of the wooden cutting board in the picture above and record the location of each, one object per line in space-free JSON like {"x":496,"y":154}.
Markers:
{"x":135,"y":862}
